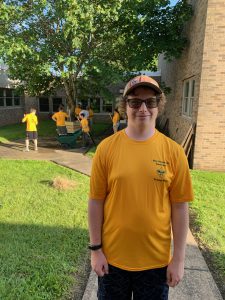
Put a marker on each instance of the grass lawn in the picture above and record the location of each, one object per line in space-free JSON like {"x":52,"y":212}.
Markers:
{"x":208,"y":217}
{"x":99,"y":128}
{"x":91,"y":151}
{"x":46,"y":128}
{"x":43,"y":245}
{"x":17,"y":131}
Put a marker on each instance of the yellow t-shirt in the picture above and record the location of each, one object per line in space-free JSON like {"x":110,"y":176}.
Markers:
{"x":60,"y":118}
{"x":116,"y":118}
{"x":84,"y":125}
{"x":138,"y":181}
{"x":91,"y":114}
{"x":32,"y":122}
{"x":77,"y":110}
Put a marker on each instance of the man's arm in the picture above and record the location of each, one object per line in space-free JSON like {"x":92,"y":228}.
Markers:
{"x":54,"y":118}
{"x":24,"y":118}
{"x":95,"y":219}
{"x":180,"y":223}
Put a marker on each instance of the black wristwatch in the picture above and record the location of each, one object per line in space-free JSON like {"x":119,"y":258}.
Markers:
{"x":94,"y":247}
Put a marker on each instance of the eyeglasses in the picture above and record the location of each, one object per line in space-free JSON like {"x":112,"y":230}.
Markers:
{"x":136,"y":103}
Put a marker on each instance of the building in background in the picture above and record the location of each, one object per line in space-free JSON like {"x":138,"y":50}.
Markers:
{"x":11,"y":103}
{"x":13,"y":106}
{"x":197,"y":82}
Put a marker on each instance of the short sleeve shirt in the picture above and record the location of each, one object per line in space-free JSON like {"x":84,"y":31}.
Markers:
{"x":138,"y":180}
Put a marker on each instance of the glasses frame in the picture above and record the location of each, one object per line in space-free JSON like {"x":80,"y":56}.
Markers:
{"x":156,"y":98}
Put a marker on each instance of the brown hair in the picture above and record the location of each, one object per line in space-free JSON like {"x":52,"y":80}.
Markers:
{"x":32,"y":110}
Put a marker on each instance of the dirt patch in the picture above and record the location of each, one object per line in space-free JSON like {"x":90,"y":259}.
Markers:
{"x":61,"y":183}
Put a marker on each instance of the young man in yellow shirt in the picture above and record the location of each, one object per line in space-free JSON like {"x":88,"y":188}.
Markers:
{"x":77,"y":110}
{"x":139,"y":190}
{"x":90,"y":117}
{"x":116,"y":120}
{"x":60,"y":118}
{"x":31,"y":128}
{"x":85,"y":130}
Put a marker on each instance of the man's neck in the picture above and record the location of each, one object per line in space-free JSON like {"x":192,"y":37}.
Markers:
{"x":140,"y":133}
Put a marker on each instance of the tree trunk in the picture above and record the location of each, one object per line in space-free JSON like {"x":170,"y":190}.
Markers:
{"x":69,"y":99}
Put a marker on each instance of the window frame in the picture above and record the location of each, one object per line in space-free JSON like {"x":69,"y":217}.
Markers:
{"x":39,"y":107}
{"x":188,"y":97}
{"x":13,"y":96}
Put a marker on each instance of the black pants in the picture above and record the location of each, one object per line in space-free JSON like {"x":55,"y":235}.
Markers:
{"x":143,"y":285}
{"x":85,"y":139}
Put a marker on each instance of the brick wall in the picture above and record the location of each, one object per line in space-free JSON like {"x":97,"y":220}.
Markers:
{"x":204,"y":61}
{"x":210,"y":135}
{"x":188,"y":66}
{"x":11,"y":115}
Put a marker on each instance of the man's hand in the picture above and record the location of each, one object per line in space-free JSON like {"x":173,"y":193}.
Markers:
{"x":99,"y":263}
{"x":175,"y":272}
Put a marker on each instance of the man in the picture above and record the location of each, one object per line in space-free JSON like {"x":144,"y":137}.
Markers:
{"x":140,"y":186}
{"x":77,"y":110}
{"x":85,"y":130}
{"x":85,"y":113}
{"x":31,"y":128}
{"x":90,"y":117}
{"x":116,"y":120}
{"x":60,"y":118}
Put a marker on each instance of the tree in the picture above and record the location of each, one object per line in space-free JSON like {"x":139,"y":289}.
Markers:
{"x":78,"y":43}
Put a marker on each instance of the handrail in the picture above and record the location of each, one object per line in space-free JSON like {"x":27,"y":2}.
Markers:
{"x":188,"y":140}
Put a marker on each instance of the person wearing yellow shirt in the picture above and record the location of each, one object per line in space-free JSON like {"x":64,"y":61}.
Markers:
{"x":140,"y":187}
{"x":60,"y":118}
{"x":85,"y":130}
{"x":77,"y":110}
{"x":31,"y":128}
{"x":116,"y":120}
{"x":90,"y":117}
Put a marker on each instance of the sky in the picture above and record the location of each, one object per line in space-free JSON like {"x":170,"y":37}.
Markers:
{"x":173,"y":2}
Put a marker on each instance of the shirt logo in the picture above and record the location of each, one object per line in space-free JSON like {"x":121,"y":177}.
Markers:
{"x":161,"y":172}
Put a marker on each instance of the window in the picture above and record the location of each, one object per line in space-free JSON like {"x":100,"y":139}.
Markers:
{"x":43,"y":104}
{"x":56,"y":103}
{"x":16,"y":98}
{"x":9,"y":97}
{"x":95,"y":104}
{"x":2,"y":93}
{"x":188,"y":97}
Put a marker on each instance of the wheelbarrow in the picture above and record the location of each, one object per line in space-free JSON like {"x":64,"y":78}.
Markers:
{"x":69,"y":140}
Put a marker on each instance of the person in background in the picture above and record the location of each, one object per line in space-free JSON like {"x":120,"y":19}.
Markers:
{"x":85,"y":130}
{"x":85,"y":112}
{"x":77,"y":110}
{"x":60,"y":118}
{"x":140,"y":187}
{"x":90,"y":117}
{"x":31,"y":128}
{"x":116,"y":120}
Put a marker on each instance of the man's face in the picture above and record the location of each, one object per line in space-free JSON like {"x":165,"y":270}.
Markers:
{"x":142,"y":115}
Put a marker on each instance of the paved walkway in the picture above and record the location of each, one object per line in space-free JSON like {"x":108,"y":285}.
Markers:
{"x":198,"y":283}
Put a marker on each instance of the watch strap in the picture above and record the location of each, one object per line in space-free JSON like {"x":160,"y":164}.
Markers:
{"x":95,"y":247}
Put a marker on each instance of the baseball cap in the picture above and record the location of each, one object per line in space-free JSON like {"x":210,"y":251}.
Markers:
{"x":141,"y":80}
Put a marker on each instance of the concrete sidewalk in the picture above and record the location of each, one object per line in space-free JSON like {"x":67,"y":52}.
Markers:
{"x":48,"y":149}
{"x":198,"y":283}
